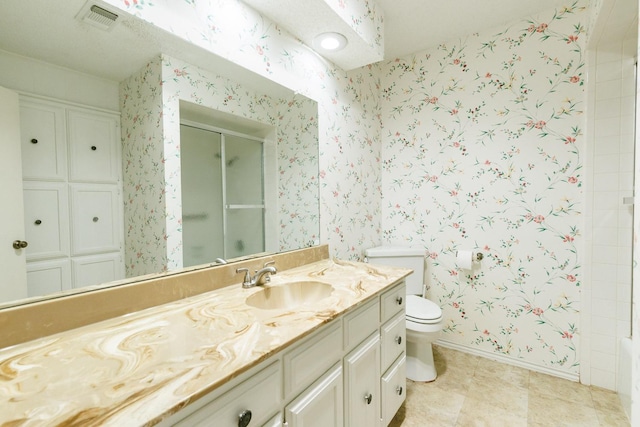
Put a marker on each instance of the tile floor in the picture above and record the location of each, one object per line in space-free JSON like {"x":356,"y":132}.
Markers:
{"x":475,"y":391}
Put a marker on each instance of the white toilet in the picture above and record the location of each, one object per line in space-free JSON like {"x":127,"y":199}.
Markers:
{"x":423,"y":317}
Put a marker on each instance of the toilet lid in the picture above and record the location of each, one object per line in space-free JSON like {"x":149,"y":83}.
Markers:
{"x":422,"y":310}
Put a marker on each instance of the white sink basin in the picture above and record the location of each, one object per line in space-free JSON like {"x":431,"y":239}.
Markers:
{"x":289,"y":295}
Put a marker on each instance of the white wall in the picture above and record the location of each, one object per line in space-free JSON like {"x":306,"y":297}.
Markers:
{"x":28,"y":75}
{"x":609,"y":165}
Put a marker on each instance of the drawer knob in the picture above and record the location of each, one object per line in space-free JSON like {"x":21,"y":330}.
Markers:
{"x":399,"y":300}
{"x":38,"y":222}
{"x":20,"y":244}
{"x":34,"y":141}
{"x":367,"y":398}
{"x":399,"y":390}
{"x":95,"y":219}
{"x":399,"y":339}
{"x":244,"y":418}
{"x":94,"y":148}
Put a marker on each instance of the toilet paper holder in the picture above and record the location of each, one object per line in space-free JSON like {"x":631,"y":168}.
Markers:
{"x":477,"y":256}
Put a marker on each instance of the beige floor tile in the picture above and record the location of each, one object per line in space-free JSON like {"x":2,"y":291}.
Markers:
{"x":499,"y":394}
{"x":477,"y":413}
{"x":447,"y":358}
{"x":606,"y":400}
{"x":547,"y":385}
{"x":547,"y":410}
{"x":612,"y":419}
{"x":429,"y":405}
{"x":514,"y":375}
{"x":472,"y":391}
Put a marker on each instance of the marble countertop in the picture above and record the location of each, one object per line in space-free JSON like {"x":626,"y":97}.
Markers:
{"x":140,"y":368}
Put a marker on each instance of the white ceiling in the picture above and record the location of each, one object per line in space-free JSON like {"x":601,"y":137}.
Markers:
{"x":48,"y":30}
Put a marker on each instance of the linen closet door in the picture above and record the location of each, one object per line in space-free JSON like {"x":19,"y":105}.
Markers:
{"x":13,"y":267}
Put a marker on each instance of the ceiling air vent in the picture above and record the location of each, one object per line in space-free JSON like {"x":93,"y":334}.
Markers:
{"x":98,"y":16}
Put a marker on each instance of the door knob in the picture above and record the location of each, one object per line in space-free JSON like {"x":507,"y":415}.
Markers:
{"x":367,"y":398}
{"x":20,"y":244}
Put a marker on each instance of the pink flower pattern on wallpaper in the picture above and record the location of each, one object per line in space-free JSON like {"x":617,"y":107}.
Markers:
{"x":481,"y":150}
{"x":471,"y":144}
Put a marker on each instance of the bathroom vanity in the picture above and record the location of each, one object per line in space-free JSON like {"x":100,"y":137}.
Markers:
{"x":231,"y":356}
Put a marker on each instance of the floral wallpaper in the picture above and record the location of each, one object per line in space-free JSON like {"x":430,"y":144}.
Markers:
{"x":348,"y":105}
{"x":364,"y":17}
{"x":473,"y":144}
{"x":482,"y":150}
{"x":298,"y":191}
{"x":143,"y":171}
{"x":153,"y":208}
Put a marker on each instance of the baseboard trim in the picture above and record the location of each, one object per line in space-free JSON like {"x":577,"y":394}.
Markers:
{"x":510,"y":361}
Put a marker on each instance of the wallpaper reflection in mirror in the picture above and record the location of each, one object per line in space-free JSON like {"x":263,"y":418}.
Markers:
{"x":151,"y":112}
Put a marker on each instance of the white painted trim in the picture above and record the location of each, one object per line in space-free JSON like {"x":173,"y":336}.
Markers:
{"x":509,"y":360}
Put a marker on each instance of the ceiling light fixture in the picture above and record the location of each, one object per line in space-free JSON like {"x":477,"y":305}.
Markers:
{"x":330,"y":42}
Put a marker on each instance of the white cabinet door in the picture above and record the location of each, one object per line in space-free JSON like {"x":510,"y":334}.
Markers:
{"x":46,"y":220}
{"x":43,"y":141}
{"x":48,"y":277}
{"x":94,"y":218}
{"x":362,"y":376}
{"x":312,"y":358}
{"x":321,"y":405}
{"x":96,"y":269}
{"x":13,"y":277}
{"x":93,"y":147}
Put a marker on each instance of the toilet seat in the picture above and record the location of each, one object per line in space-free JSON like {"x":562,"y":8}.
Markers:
{"x":423,"y":311}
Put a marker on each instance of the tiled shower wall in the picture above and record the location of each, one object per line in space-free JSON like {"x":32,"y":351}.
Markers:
{"x":610,"y":165}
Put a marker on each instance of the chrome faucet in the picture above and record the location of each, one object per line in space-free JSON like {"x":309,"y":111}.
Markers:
{"x":261,"y":277}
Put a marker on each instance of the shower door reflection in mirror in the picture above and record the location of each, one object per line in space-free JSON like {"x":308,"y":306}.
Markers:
{"x":222,"y":194}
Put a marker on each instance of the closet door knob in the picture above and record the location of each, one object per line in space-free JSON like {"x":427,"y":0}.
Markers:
{"x":244,"y":418}
{"x":34,"y":141}
{"x":94,"y":148}
{"x":399,"y":300}
{"x":399,"y":390}
{"x":20,"y":244}
{"x":95,"y":219}
{"x":37,"y":222}
{"x":367,"y":398}
{"x":399,"y":339}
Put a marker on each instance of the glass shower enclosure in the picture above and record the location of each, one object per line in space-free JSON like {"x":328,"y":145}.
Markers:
{"x":222,"y":194}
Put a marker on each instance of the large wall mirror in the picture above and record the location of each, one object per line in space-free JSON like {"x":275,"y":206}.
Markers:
{"x":162,"y":90}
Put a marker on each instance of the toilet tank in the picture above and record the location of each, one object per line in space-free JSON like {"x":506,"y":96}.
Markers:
{"x":405,"y":257}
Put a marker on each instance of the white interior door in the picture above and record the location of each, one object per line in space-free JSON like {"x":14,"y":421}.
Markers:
{"x":13,"y":267}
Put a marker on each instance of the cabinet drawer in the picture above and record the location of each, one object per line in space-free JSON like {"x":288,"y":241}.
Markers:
{"x":394,"y":389}
{"x":360,"y":324}
{"x":46,"y":213}
{"x":95,"y":218}
{"x":394,"y":336}
{"x":97,"y":269}
{"x":392,"y":301}
{"x":261,"y":394}
{"x":93,"y":147}
{"x":47,"y":277}
{"x":43,"y":141}
{"x":312,"y":358}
